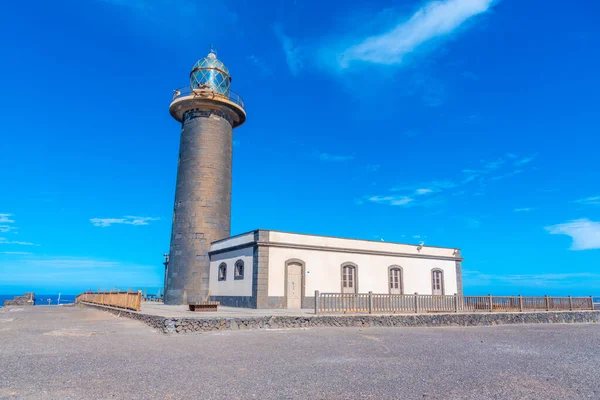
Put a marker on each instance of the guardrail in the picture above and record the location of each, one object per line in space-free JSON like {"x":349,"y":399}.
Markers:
{"x":203,"y":92}
{"x":423,"y":303}
{"x":126,"y":300}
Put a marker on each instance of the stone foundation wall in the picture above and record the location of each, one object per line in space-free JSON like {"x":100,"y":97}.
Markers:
{"x":208,"y":324}
{"x":28,"y":299}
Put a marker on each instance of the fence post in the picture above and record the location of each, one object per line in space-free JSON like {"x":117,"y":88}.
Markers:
{"x":416,"y":303}
{"x":316,"y":302}
{"x":547,"y":303}
{"x":570,"y":304}
{"x":455,"y":302}
{"x":592,"y":303}
{"x":520,"y":303}
{"x":491,"y":303}
{"x":370,"y":302}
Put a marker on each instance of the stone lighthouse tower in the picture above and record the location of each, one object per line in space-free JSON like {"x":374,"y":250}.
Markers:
{"x":208,"y":111}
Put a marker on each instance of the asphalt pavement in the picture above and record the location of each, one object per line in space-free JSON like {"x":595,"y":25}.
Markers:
{"x":79,"y":353}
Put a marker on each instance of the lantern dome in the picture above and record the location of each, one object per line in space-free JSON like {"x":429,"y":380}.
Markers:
{"x":210,"y":73}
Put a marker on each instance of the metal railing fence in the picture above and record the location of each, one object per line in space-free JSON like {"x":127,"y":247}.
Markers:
{"x":425,"y":303}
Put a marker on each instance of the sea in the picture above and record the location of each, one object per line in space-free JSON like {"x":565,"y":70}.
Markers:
{"x":43,"y":299}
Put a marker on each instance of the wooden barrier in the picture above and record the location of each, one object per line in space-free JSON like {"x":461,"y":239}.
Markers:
{"x":423,"y":303}
{"x":126,"y":300}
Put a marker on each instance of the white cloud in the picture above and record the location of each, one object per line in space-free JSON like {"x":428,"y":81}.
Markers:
{"x":6,"y":228}
{"x":5,"y":219}
{"x":593,"y":200}
{"x":20,"y":253}
{"x":423,"y":191}
{"x":293,"y":55}
{"x":585,"y":233}
{"x":391,"y":200}
{"x":127,"y":220}
{"x":524,"y":209}
{"x":434,"y":20}
{"x":18,"y":242}
{"x":333,"y":157}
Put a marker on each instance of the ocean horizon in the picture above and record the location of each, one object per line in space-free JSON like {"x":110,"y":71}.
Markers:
{"x":43,"y":299}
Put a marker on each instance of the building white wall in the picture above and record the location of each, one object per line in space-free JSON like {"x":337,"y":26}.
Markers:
{"x":310,"y":240}
{"x":231,"y":287}
{"x":323,"y":270}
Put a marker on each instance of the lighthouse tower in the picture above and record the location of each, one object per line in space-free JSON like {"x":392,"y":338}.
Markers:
{"x":208,"y":111}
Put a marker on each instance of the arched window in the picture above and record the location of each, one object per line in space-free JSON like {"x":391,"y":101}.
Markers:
{"x":349,"y":281}
{"x":222,"y":272}
{"x":437,"y":282}
{"x":238,"y":272}
{"x":395,"y":280}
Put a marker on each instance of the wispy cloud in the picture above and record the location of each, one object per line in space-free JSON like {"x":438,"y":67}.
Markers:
{"x":507,"y":175}
{"x":431,"y":193}
{"x":293,"y":54}
{"x":525,"y":160}
{"x":391,"y":200}
{"x":433,"y":21}
{"x":260,"y":64}
{"x":5,"y":219}
{"x":592,"y":200}
{"x":6,"y":223}
{"x":17,"y":242}
{"x":585,"y":233}
{"x":327,"y":157}
{"x":524,"y":209}
{"x":16,"y":253}
{"x":424,"y":191}
{"x":127,"y":220}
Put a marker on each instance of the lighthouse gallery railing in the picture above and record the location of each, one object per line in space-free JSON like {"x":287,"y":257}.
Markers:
{"x":188,"y":91}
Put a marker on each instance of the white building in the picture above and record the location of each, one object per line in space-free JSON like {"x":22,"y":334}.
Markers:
{"x":270,"y":269}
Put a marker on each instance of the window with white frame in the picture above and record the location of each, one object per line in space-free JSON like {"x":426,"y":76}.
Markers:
{"x":238,"y":271}
{"x":222,"y":271}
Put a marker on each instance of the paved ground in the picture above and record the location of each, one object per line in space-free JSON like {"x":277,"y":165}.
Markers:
{"x":59,"y":352}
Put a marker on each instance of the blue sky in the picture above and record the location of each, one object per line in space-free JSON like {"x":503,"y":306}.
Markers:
{"x":459,"y":123}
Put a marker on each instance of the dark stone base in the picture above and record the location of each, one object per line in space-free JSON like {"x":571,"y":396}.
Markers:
{"x":235,"y":301}
{"x":208,"y":324}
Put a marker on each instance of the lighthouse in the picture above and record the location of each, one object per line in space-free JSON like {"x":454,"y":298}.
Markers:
{"x":208,"y":110}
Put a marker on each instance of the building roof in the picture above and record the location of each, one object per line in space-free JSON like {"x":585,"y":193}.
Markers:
{"x":330,"y":243}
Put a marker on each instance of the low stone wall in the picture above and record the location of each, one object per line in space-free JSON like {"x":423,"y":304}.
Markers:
{"x":208,"y":324}
{"x":28,"y":299}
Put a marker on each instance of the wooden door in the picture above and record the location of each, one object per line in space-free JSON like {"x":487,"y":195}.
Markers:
{"x":437,"y":283}
{"x":294,"y":286}
{"x":395,"y":281}
{"x":349,"y":279}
